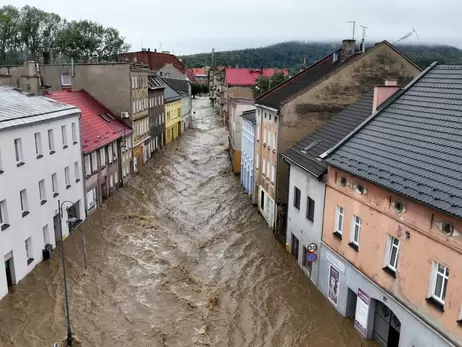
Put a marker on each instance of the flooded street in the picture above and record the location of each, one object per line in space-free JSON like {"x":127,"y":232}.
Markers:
{"x":178,"y":257}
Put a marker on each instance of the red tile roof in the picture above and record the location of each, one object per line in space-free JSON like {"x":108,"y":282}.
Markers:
{"x":155,"y":60}
{"x":248,"y":77}
{"x":95,"y":132}
{"x":198,"y":71}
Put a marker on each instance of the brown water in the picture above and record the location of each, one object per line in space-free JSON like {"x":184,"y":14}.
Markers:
{"x":179,"y":257}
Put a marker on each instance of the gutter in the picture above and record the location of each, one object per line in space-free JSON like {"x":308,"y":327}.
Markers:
{"x":285,"y":158}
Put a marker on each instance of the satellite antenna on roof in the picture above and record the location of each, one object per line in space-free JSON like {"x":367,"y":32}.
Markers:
{"x":354,"y":27}
{"x":408,"y":35}
{"x":363,"y":46}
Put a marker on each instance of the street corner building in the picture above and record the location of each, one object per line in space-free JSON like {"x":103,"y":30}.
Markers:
{"x":248,"y":152}
{"x":40,"y":163}
{"x":392,"y":231}
{"x":173,"y":112}
{"x":300,"y":105}
{"x":106,"y":141}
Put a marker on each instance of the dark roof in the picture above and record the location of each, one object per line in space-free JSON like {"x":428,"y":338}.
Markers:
{"x":413,"y":146}
{"x":155,"y":82}
{"x":274,"y":97}
{"x":250,"y":116}
{"x":170,"y":94}
{"x":306,"y":152}
{"x":178,"y":84}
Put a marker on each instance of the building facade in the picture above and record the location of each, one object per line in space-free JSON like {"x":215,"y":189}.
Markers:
{"x":183,"y":87}
{"x":172,"y":113}
{"x":248,"y":152}
{"x":140,"y":117}
{"x":156,"y":112}
{"x":393,"y":221}
{"x":40,"y":165}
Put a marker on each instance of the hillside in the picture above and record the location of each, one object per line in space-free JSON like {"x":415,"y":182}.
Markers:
{"x":291,"y":54}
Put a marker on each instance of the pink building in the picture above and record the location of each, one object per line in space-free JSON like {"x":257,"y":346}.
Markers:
{"x":391,"y":255}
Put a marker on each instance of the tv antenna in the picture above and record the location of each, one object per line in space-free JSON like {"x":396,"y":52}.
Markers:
{"x":408,"y":35}
{"x":354,"y":27}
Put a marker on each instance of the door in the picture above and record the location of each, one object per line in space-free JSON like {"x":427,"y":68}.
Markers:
{"x":57,"y":227}
{"x":262,"y":200}
{"x":386,"y":326}
{"x":295,"y":245}
{"x":9,"y":272}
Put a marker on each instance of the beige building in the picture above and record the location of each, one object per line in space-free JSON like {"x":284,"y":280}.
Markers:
{"x":306,"y":101}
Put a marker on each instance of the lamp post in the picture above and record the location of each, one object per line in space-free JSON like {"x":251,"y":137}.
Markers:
{"x":69,"y":338}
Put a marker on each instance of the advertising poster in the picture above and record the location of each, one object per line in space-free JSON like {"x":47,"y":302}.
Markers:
{"x":334,"y":283}
{"x":362,"y":312}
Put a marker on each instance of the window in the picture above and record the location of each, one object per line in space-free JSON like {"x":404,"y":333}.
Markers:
{"x":264,"y":166}
{"x":273,"y":173}
{"x":264,"y":136}
{"x":18,"y":152}
{"x":355,"y":230}
{"x":274,"y":140}
{"x":65,"y":79}
{"x":3,"y":215}
{"x":94,"y":163}
{"x":309,"y":209}
{"x":111,"y":154}
{"x":306,"y":264}
{"x":269,"y":139}
{"x":256,"y":163}
{"x":116,"y":178}
{"x":42,"y":192}
{"x":339,"y":216}
{"x":64,"y":136}
{"x":392,"y":252}
{"x":111,"y":180}
{"x":74,"y":133}
{"x":77,"y":171}
{"x":29,"y":256}
{"x":1,"y":166}
{"x":297,"y":195}
{"x":38,"y":145}
{"x":102,"y":155}
{"x":46,"y":235}
{"x":67,"y":177}
{"x":51,"y":141}
{"x":24,"y":204}
{"x":54,"y":185}
{"x":439,"y":283}
{"x":87,"y":166}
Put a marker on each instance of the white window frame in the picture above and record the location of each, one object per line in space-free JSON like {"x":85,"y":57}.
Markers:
{"x":391,"y":245}
{"x":23,"y":200}
{"x":264,"y":166}
{"x":64,"y":135}
{"x":94,"y":162}
{"x":102,"y":156}
{"x":268,"y":169}
{"x":38,"y":144}
{"x":434,"y":279}
{"x":54,"y":183}
{"x":65,"y":79}
{"x":67,"y":177}
{"x":42,"y":190}
{"x":3,"y":212}
{"x":110,"y":153}
{"x":87,"y":165}
{"x":355,"y":222}
{"x":46,"y":235}
{"x":28,"y":245}
{"x":340,"y":211}
{"x":51,"y":140}
{"x":74,"y":133}
{"x":77,"y":171}
{"x":18,"y":150}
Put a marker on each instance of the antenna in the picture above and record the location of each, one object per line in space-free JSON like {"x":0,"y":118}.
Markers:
{"x":408,"y":35}
{"x":354,"y":27}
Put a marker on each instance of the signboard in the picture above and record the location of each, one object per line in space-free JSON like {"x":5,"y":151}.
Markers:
{"x":311,"y":257}
{"x":312,"y":248}
{"x":362,"y":312}
{"x":333,"y":285}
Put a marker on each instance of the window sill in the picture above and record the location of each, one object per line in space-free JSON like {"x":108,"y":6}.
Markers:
{"x":337,"y":235}
{"x":43,"y":202}
{"x":75,"y":142}
{"x":25,"y":213}
{"x":39,"y":156}
{"x":389,"y":271}
{"x":354,"y":246}
{"x":77,"y":180}
{"x":55,"y":195}
{"x":435,"y":303}
{"x":4,"y":226}
{"x":21,"y":163}
{"x":52,"y":152}
{"x":65,"y":146}
{"x":29,"y":261}
{"x":68,"y":186}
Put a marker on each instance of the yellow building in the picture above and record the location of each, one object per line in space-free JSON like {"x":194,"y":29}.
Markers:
{"x":173,"y":114}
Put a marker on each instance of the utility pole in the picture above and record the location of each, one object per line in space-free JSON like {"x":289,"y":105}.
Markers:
{"x":354,"y":27}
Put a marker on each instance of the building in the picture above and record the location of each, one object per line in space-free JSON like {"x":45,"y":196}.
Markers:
{"x":216,"y":86}
{"x":183,"y":87}
{"x":121,"y":87}
{"x":106,"y":146}
{"x":392,"y":244}
{"x":236,"y":107}
{"x":307,"y":176}
{"x":40,"y":164}
{"x":173,"y":112}
{"x":198,"y":75}
{"x":303,"y":103}
{"x":248,"y":152}
{"x":163,"y":64}
{"x":156,"y":112}
{"x":25,"y":77}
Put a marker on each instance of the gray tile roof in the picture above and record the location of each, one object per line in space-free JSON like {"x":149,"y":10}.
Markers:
{"x":18,"y":108}
{"x":305,"y":153}
{"x":414,"y":146}
{"x":170,"y":94}
{"x":250,"y":116}
{"x":178,"y":84}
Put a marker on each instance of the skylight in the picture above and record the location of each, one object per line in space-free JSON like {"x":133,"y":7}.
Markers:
{"x":109,"y":115}
{"x":310,"y":146}
{"x":105,"y":118}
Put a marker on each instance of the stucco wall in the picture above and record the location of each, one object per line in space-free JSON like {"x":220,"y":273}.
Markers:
{"x":426,"y":244}
{"x":168,"y":70}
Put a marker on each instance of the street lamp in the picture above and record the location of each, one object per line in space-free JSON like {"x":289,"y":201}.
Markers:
{"x":69,"y":221}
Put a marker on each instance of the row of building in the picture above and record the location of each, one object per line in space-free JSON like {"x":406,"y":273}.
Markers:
{"x":354,"y":163}
{"x":70,"y":135}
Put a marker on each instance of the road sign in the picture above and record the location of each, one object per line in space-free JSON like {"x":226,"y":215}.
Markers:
{"x":312,"y":248}
{"x":311,"y":257}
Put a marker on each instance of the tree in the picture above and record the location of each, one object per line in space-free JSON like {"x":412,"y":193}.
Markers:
{"x":266,"y":83}
{"x":9,"y":37}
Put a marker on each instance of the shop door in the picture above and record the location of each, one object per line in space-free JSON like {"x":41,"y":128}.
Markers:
{"x":386,"y":326}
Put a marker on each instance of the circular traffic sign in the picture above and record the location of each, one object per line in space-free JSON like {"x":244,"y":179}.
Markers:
{"x":311,"y":257}
{"x":312,"y":248}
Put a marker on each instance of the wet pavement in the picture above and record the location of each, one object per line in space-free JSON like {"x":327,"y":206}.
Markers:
{"x":178,"y":257}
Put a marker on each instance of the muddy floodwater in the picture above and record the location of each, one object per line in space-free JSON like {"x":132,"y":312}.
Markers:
{"x":178,"y":257}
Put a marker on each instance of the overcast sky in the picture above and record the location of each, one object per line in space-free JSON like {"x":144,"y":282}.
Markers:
{"x":187,"y":26}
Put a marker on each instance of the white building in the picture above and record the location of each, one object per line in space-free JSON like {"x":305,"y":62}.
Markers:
{"x":248,"y":152}
{"x":40,"y":164}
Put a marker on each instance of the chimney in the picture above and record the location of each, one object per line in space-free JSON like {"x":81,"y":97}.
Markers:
{"x":348,"y":49}
{"x":149,"y":49}
{"x":382,"y":93}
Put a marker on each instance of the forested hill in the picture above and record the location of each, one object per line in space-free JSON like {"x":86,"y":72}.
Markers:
{"x":291,"y":55}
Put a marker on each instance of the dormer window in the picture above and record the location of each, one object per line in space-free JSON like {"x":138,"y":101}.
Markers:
{"x":399,"y":206}
{"x":343,"y":181}
{"x":447,"y":228}
{"x":360,"y":189}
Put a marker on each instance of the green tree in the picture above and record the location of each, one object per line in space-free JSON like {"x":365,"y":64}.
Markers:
{"x":266,"y":83}
{"x":9,"y":34}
